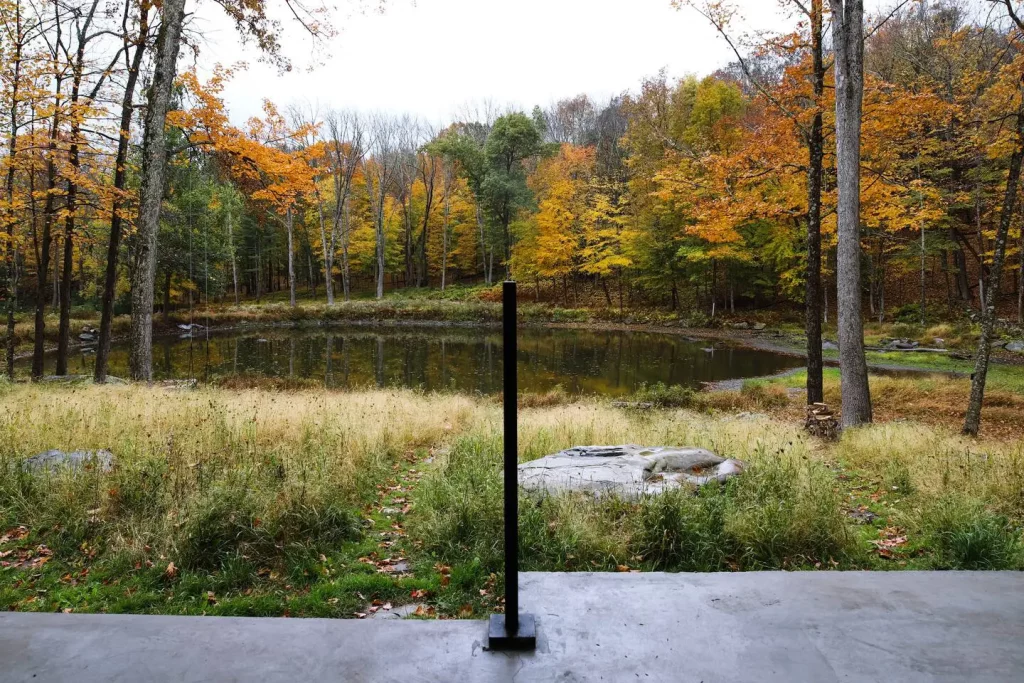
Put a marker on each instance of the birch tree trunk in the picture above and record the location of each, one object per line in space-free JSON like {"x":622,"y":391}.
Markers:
{"x":154,"y":161}
{"x":327,"y":248}
{"x":972,"y":421}
{"x":848,"y":42}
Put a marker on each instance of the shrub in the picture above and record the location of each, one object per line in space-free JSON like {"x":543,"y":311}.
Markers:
{"x":964,"y":534}
{"x":666,"y":396}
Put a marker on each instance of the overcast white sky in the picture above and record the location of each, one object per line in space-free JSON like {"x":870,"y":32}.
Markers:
{"x":431,"y":57}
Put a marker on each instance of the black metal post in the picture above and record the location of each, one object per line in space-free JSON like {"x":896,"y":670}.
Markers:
{"x":512,"y":630}
{"x":510,"y":386}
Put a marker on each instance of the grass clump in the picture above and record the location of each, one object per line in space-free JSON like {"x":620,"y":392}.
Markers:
{"x":787,"y":515}
{"x":680,"y":531}
{"x":764,"y":396}
{"x":963,"y":533}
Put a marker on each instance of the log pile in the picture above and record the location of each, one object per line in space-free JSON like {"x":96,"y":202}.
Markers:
{"x":822,"y":422}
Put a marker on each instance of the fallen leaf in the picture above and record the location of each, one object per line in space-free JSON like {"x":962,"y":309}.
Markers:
{"x":171,"y":570}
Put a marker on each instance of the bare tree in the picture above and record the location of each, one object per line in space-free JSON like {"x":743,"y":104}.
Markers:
{"x":426,"y":166}
{"x":848,"y":43}
{"x":380,"y":168}
{"x":347,"y":149}
{"x":407,"y":130}
{"x":572,"y":120}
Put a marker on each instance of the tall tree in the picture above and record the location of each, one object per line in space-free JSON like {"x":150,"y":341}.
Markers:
{"x":1014,"y":83}
{"x":134,"y":46}
{"x":154,"y":159}
{"x":758,"y":79}
{"x":18,"y":32}
{"x":848,"y":42}
{"x":513,"y":139}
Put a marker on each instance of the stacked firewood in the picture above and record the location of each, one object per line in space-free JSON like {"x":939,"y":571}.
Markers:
{"x":822,"y":422}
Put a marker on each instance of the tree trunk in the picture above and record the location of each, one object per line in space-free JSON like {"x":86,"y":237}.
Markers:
{"x":154,"y":162}
{"x":49,"y":214}
{"x":1020,"y":281}
{"x":445,"y":237}
{"x":483,"y":244}
{"x":972,"y":421}
{"x":345,"y":275}
{"x":963,"y":287}
{"x":165,"y":310}
{"x":120,"y":183}
{"x":924,"y":295}
{"x":290,"y":222}
{"x":328,"y":250}
{"x":231,"y":253}
{"x":848,"y":41}
{"x":10,"y":219}
{"x":816,"y":154}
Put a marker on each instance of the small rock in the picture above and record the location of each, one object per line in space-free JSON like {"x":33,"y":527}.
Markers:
{"x":390,"y":512}
{"x":939,"y":342}
{"x":864,"y":516}
{"x":400,"y":567}
{"x":86,"y":337}
{"x":54,"y":460}
{"x":743,"y":325}
{"x":1015,"y":346}
{"x":829,"y":346}
{"x":400,"y":612}
{"x":760,"y":326}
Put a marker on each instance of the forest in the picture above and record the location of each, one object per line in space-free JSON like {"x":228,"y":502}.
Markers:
{"x":128,"y":188}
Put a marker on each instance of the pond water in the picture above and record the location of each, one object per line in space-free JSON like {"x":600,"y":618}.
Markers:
{"x":451,"y":358}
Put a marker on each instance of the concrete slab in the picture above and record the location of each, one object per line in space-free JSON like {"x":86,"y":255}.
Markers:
{"x":770,"y":626}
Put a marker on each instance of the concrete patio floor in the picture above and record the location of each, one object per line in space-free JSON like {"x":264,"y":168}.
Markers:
{"x":769,"y":626}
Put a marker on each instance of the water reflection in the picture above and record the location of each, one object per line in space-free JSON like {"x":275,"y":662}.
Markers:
{"x":460,"y":359}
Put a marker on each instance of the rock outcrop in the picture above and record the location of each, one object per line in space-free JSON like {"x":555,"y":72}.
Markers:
{"x":628,"y":471}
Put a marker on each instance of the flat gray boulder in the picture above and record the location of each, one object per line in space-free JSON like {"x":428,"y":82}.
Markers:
{"x":628,"y":471}
{"x":55,"y":460}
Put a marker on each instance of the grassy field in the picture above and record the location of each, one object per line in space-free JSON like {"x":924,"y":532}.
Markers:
{"x":314,"y":503}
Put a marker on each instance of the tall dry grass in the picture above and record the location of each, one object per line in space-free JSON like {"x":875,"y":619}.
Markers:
{"x":210,"y":474}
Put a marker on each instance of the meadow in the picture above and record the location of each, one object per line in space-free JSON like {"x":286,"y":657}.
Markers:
{"x":306,"y":502}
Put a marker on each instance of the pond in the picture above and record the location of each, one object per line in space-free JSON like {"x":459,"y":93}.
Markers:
{"x":450,"y":358}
